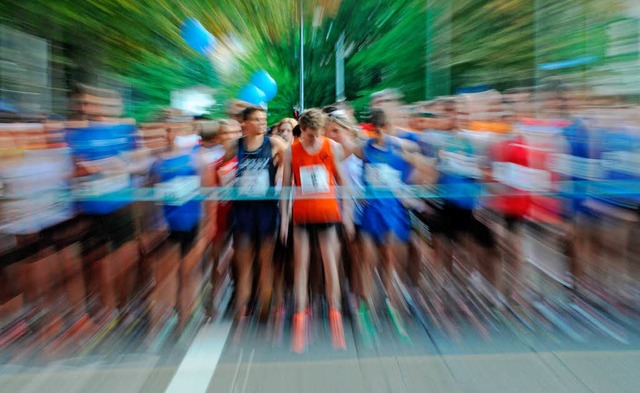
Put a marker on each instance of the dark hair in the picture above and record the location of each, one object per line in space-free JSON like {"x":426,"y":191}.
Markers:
{"x":329,"y":109}
{"x":250,"y":111}
{"x":378,"y":118}
{"x":296,"y":131}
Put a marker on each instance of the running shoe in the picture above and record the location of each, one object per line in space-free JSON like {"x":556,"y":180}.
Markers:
{"x":299,"y":333}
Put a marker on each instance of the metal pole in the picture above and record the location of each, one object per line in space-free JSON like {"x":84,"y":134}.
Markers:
{"x":340,"y":68}
{"x":301,"y":58}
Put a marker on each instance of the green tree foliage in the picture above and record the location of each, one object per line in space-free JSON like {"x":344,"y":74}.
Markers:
{"x":423,"y":47}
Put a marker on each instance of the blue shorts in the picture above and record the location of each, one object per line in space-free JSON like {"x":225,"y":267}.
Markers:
{"x":379,"y":218}
{"x":259,"y":220}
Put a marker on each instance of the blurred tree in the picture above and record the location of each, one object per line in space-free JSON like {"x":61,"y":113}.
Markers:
{"x":422,"y":47}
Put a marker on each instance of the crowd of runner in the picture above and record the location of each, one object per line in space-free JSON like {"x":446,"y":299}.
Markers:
{"x":468,"y":189}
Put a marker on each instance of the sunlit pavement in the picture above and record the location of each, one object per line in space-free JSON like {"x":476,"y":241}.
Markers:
{"x":226,"y":357}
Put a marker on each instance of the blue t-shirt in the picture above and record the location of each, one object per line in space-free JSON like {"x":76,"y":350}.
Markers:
{"x":580,"y":166}
{"x":384,"y":168}
{"x":620,"y":154}
{"x":460,"y":172}
{"x":186,"y":216}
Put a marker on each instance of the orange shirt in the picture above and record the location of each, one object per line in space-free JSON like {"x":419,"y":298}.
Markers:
{"x":314,"y":176}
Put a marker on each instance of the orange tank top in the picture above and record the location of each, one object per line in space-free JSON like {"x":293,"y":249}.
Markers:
{"x":315,"y":200}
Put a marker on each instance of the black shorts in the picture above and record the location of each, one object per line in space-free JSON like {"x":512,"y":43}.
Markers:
{"x":513,"y":223}
{"x":186,"y":239}
{"x":258,"y":220}
{"x":452,"y":221}
{"x":283,"y":253}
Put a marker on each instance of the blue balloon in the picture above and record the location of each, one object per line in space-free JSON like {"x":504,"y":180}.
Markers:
{"x":252,"y":95}
{"x":263,"y":81}
{"x":198,"y":38}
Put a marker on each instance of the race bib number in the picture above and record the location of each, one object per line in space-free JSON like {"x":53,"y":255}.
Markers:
{"x":254,"y":182}
{"x":382,"y":175}
{"x":179,"y":190}
{"x":314,"y":179}
{"x":460,"y":164}
{"x":521,"y":177}
{"x":102,"y":186}
{"x":580,"y":167}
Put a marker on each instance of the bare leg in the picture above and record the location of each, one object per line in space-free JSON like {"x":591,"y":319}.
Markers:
{"x":330,"y":250}
{"x":394,"y":252}
{"x":244,"y":256}
{"x":367,"y":266}
{"x":414,"y":260}
{"x":265,"y":283}
{"x":301,"y":268}
{"x":300,"y":287}
{"x":355,"y":274}
{"x":443,"y":260}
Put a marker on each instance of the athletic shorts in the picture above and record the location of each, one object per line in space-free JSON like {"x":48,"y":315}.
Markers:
{"x":452,"y":221}
{"x":318,"y":227}
{"x":259,"y":220}
{"x":378,"y":222}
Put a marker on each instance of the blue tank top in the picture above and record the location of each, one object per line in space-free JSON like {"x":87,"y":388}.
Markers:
{"x":580,"y":166}
{"x":184,"y":217}
{"x":384,"y":169}
{"x":620,"y":152}
{"x":459,"y":172}
{"x":258,"y":169}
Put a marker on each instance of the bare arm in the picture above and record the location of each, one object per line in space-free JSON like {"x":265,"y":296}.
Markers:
{"x":278,"y":147}
{"x":424,"y":167}
{"x":285,"y":195}
{"x":344,"y":183}
{"x":209,"y":179}
{"x":352,"y":147}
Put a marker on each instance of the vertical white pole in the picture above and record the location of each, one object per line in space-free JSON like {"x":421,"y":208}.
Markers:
{"x":340,"y":68}
{"x":301,"y":57}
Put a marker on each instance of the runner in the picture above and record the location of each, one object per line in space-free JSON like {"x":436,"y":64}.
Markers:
{"x":285,"y":129}
{"x":388,"y":165}
{"x":283,"y":255}
{"x":616,"y":204}
{"x":461,"y":171}
{"x":312,"y":165}
{"x":341,"y":129}
{"x":208,"y":152}
{"x":177,"y":169}
{"x":255,"y":219}
{"x":222,"y":174}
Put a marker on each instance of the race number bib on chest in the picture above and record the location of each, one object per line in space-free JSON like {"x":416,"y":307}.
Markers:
{"x":382,"y":175}
{"x":460,"y":164}
{"x":254,"y":182}
{"x":521,"y":177}
{"x":314,"y":179}
{"x":580,"y":167}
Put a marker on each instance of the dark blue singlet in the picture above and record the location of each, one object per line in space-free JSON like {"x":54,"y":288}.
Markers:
{"x":256,"y":218}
